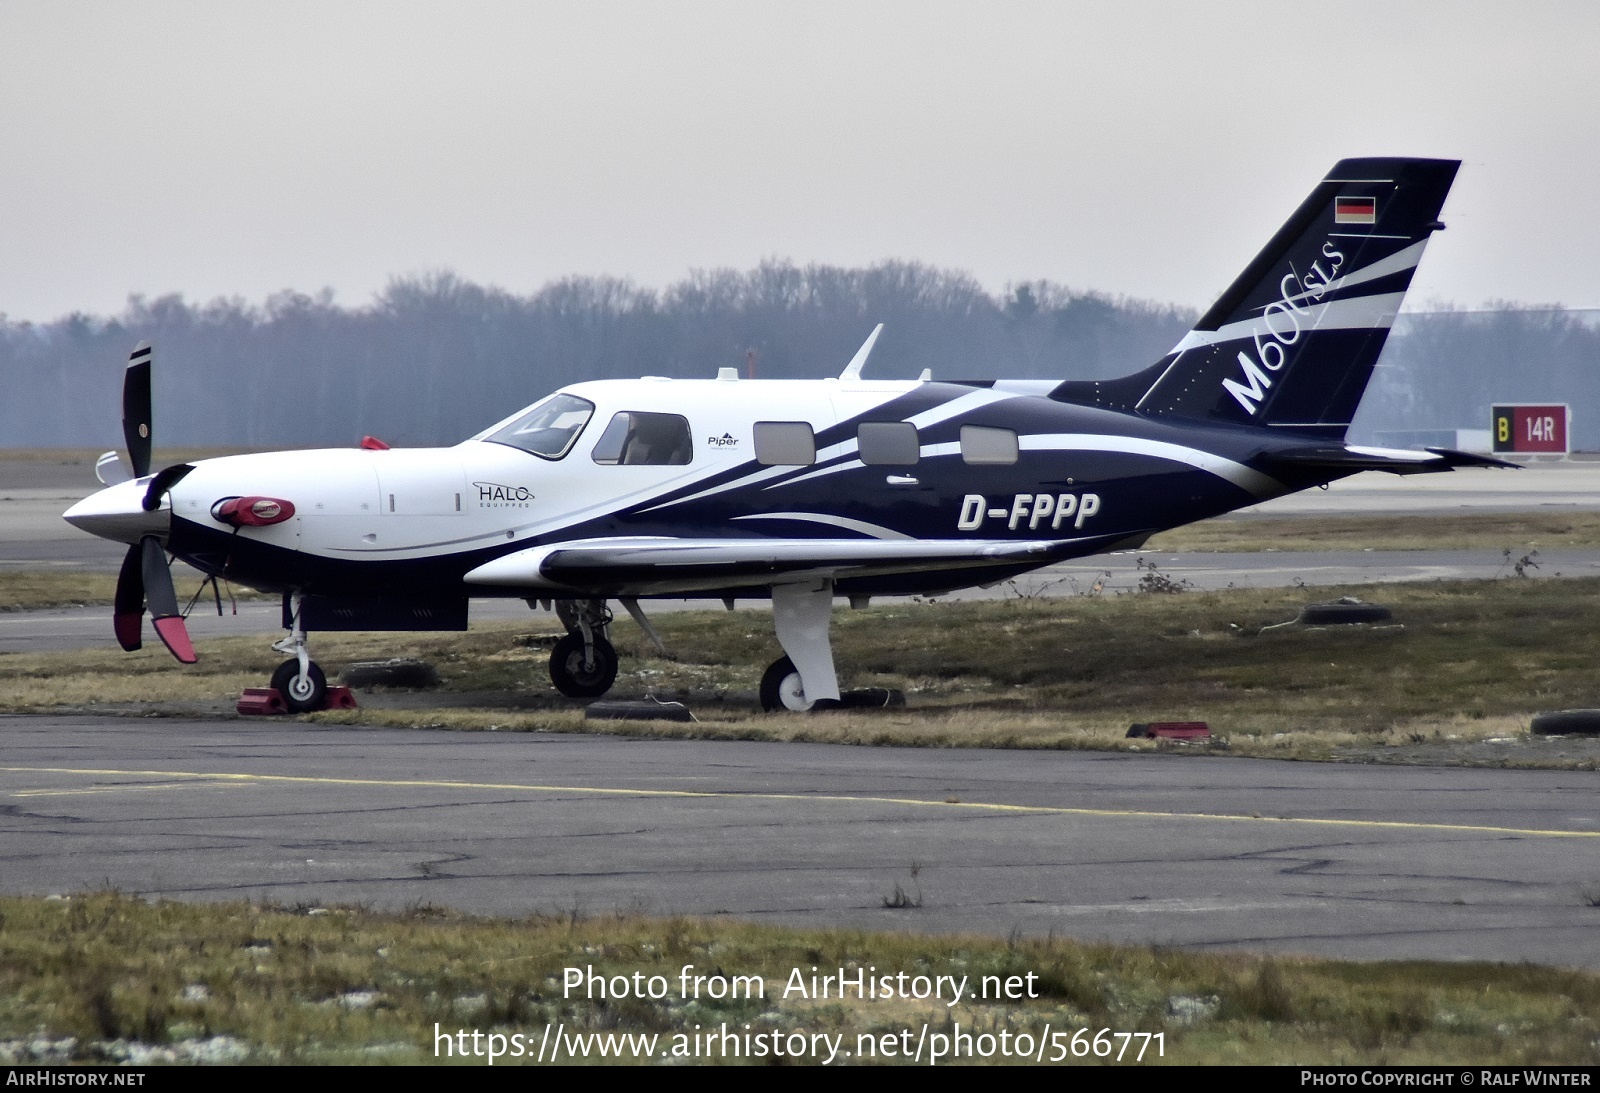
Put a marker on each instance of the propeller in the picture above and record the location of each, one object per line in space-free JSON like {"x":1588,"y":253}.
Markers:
{"x":136,"y":409}
{"x":146,"y":577}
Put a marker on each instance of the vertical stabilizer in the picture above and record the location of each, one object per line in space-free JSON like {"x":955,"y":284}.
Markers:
{"x":1292,"y":342}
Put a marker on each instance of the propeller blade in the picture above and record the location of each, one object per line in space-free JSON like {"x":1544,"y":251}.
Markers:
{"x":162,"y":482}
{"x":128,"y":613}
{"x":136,"y":410}
{"x":164,"y":600}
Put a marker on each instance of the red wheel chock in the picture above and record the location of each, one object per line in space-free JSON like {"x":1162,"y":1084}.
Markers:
{"x":261,"y":701}
{"x":267,"y":702}
{"x":339,"y":698}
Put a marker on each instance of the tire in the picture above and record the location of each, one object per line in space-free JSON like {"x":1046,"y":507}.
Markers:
{"x":1326,"y":614}
{"x":301,"y":700}
{"x":568,"y":673}
{"x":1567,"y":722}
{"x":781,"y":690}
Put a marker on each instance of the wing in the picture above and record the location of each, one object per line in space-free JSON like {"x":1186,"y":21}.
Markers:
{"x":666,"y":566}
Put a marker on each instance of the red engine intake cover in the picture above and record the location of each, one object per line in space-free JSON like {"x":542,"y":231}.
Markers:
{"x":253,"y":511}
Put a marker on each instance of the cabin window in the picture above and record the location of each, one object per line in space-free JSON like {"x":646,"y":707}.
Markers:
{"x":785,"y":444}
{"x":549,"y":428}
{"x":980,"y":444}
{"x":639,"y":439}
{"x":887,"y":443}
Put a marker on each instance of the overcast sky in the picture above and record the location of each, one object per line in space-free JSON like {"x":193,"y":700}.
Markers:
{"x":1147,"y":149}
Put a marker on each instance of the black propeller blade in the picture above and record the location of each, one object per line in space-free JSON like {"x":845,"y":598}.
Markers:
{"x":136,"y":409}
{"x":145,"y":575}
{"x":128,"y":613}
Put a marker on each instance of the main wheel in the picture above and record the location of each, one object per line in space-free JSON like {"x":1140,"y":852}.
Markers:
{"x":301,"y":696}
{"x":575,"y":679}
{"x":781,"y":688}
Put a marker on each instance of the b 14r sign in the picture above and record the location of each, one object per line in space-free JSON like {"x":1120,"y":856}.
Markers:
{"x":1531,"y":428}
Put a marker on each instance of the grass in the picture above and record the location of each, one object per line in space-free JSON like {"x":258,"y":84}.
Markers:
{"x":1470,"y":661}
{"x":103,"y":977}
{"x":1518,"y":532}
{"x":34,"y":590}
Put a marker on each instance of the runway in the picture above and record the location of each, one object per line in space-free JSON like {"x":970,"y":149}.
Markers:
{"x":1353,"y":861}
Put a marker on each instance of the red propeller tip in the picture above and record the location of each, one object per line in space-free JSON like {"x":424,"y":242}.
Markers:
{"x":175,"y":636}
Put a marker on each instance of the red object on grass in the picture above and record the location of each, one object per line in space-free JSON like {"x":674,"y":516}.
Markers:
{"x":262,"y":701}
{"x":339,"y":698}
{"x":1172,"y":730}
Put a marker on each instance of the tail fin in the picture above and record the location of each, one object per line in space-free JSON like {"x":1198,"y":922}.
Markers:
{"x":1292,"y":342}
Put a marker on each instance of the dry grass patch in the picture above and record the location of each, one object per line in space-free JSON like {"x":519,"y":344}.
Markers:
{"x":105,"y":977}
{"x":1472,"y":661}
{"x":1518,"y":532}
{"x":34,"y":590}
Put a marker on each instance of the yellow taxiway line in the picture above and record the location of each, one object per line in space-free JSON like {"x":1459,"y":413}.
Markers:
{"x":214,"y":777}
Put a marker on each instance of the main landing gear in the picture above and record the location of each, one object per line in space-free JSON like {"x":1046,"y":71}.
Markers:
{"x":804,"y":678}
{"x":583,"y":663}
{"x":301,"y":683}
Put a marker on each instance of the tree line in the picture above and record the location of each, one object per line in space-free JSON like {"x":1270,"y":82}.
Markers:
{"x":435,"y":358}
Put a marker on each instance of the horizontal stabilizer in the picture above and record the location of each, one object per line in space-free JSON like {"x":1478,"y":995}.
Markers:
{"x":1349,"y":460}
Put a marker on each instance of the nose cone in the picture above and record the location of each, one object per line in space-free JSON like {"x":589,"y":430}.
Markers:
{"x":117,"y":513}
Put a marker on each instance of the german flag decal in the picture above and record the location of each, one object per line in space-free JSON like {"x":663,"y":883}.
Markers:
{"x":1355,"y":210}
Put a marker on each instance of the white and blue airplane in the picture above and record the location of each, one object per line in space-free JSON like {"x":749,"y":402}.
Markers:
{"x":797,"y":491}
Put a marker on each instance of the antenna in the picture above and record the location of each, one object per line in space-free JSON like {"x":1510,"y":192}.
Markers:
{"x":852,"y":371}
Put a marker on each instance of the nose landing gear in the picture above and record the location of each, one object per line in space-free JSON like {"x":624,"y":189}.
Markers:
{"x":300,"y":681}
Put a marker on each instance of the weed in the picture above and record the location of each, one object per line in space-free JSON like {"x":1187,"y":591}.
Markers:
{"x":1154,"y":582}
{"x":900,"y":899}
{"x":1521,"y":566}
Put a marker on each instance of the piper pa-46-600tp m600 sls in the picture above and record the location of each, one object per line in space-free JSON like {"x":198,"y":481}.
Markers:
{"x":795,"y":490}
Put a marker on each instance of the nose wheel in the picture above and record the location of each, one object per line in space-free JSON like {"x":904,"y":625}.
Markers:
{"x":302,"y":691}
{"x":301,"y":683}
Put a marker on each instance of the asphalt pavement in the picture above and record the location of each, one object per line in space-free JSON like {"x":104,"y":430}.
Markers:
{"x":1445,"y":863}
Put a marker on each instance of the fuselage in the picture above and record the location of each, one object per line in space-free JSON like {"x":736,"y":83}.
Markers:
{"x":932,"y":462}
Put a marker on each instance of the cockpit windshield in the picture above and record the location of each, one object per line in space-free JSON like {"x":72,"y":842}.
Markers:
{"x":549,"y":429}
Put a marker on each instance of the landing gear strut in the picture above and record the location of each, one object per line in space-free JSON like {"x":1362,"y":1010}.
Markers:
{"x":804,"y":679}
{"x":301,"y":683}
{"x":583,"y":663}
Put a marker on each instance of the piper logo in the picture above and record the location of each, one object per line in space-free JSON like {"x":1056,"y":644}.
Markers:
{"x":1034,"y":508}
{"x":726,"y":440}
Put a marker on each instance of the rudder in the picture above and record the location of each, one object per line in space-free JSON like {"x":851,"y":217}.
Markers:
{"x":1292,"y":343}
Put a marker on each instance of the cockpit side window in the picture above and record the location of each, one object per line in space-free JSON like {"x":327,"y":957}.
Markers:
{"x":639,"y":439}
{"x":549,"y":429}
